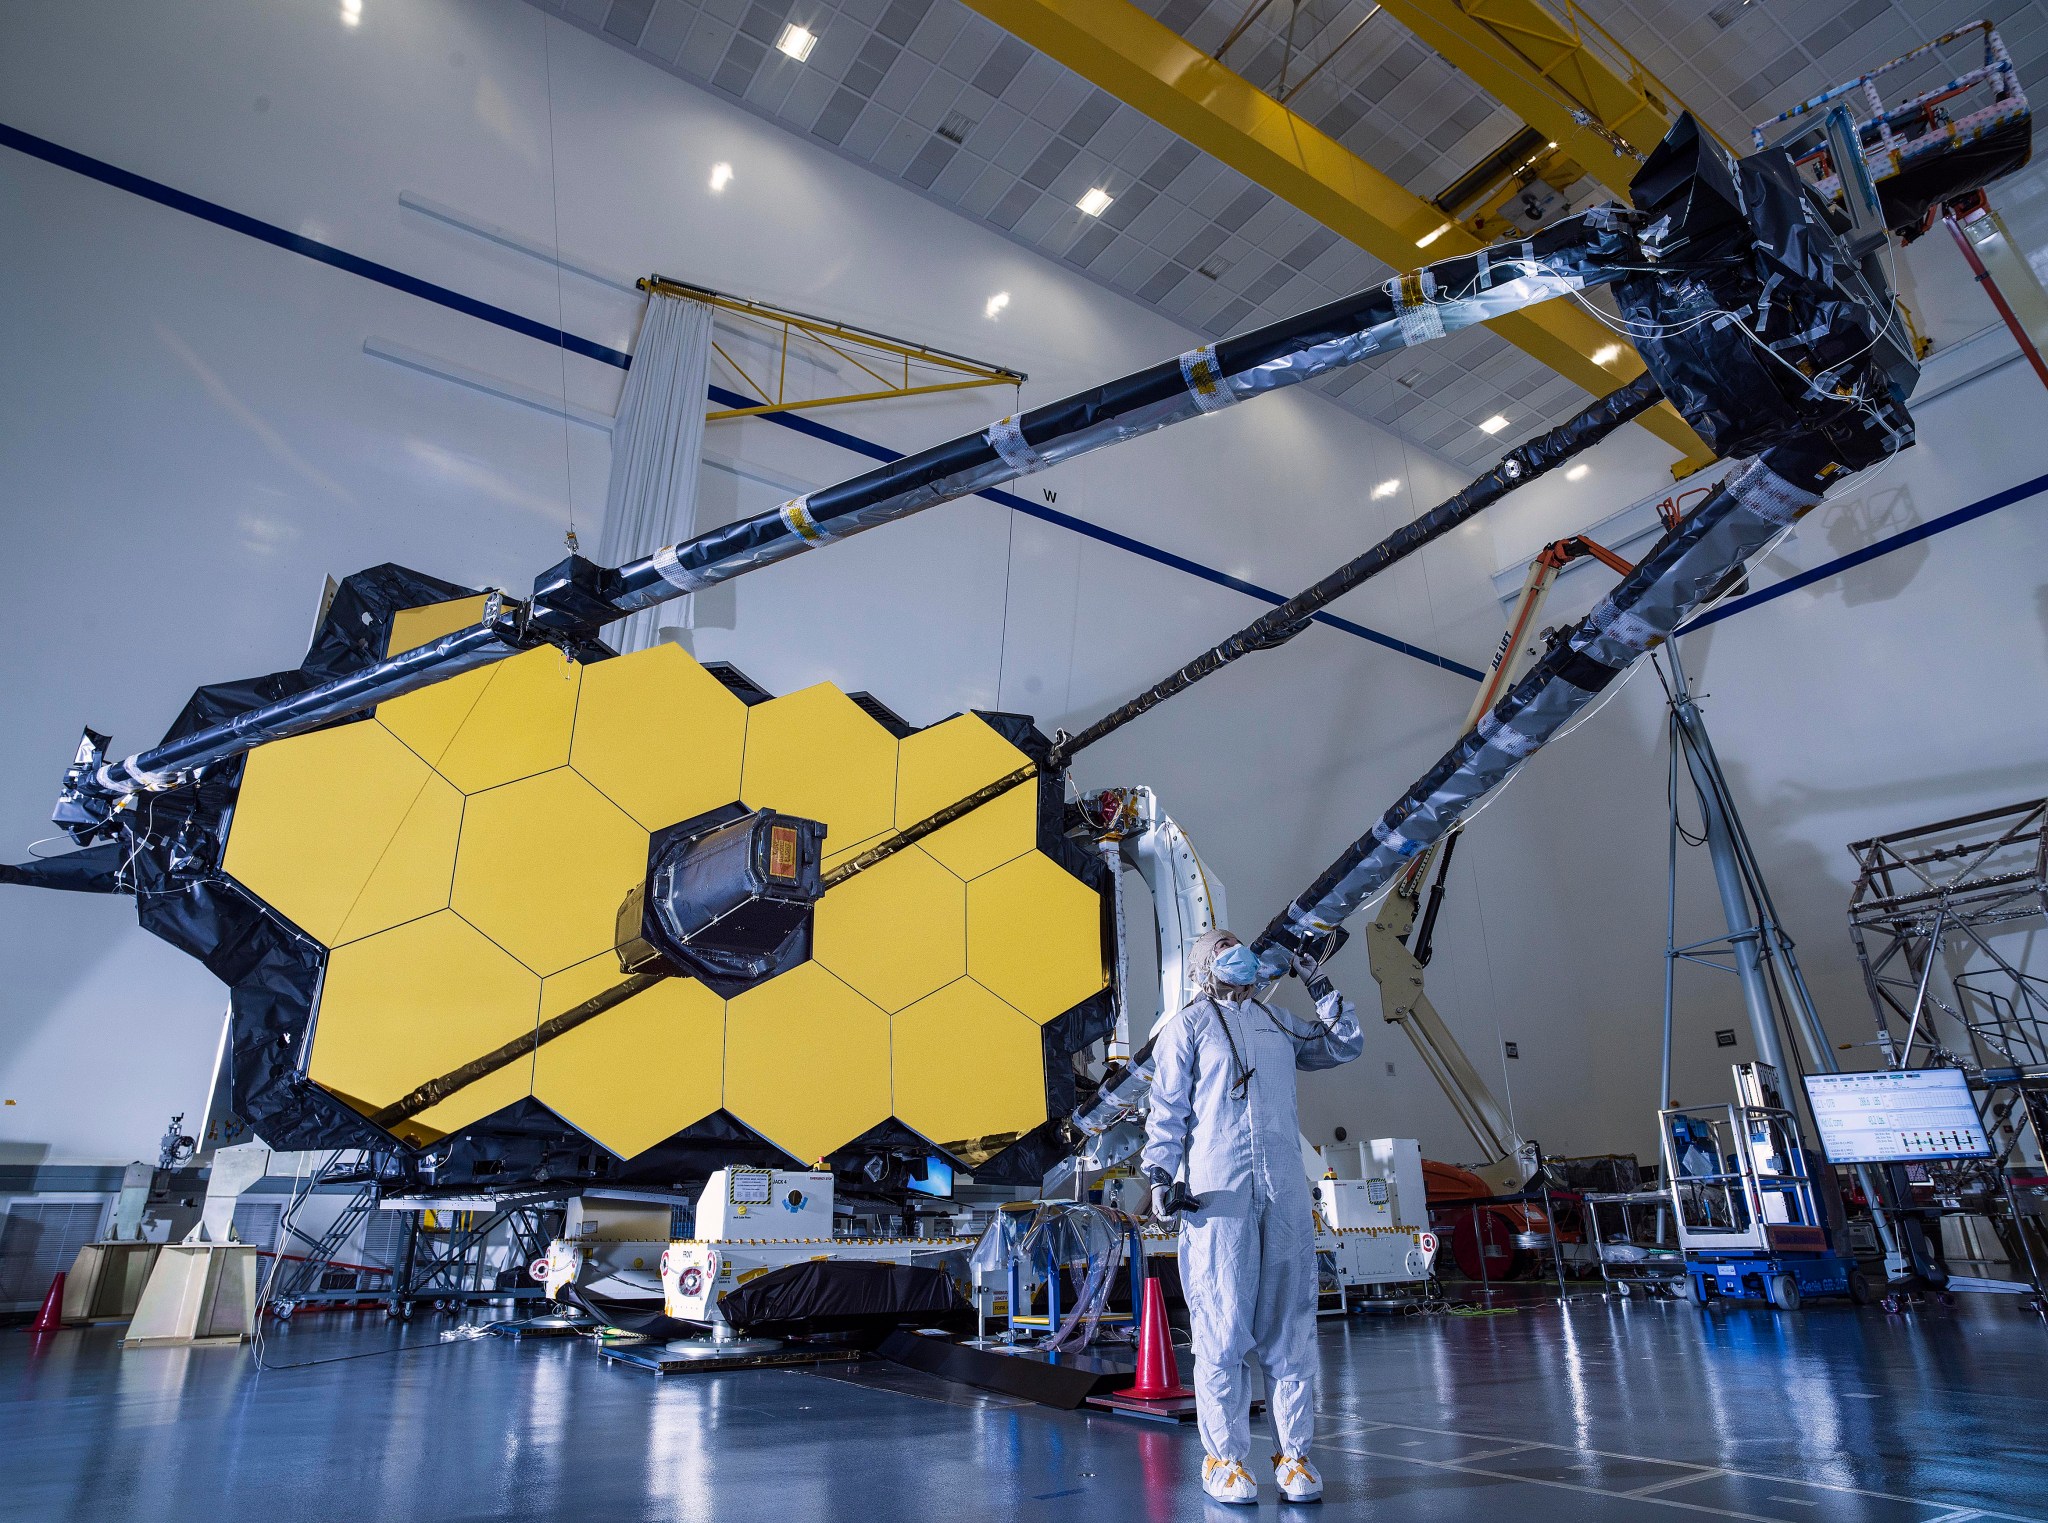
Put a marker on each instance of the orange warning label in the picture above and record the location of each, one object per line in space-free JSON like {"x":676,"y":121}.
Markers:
{"x":781,"y":851}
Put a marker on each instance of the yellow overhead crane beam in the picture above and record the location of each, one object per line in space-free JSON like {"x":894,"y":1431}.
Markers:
{"x":1121,"y":50}
{"x":1562,"y":74}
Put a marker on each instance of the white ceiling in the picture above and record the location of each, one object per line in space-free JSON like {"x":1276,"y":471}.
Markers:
{"x":933,"y":96}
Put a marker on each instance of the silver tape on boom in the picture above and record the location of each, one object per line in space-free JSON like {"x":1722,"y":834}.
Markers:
{"x":1006,"y":438}
{"x":1205,"y":379}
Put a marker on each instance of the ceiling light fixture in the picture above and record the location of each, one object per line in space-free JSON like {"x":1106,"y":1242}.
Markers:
{"x":1386,"y":488}
{"x":351,"y":12}
{"x":796,"y":41}
{"x":1607,"y":354}
{"x":1096,"y":202}
{"x":996,"y":303}
{"x":1577,"y":473}
{"x":721,"y":176}
{"x":1493,"y":425}
{"x":1430,"y":237}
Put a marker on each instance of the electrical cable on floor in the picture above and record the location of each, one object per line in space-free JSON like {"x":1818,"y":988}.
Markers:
{"x":444,"y":1341}
{"x":256,"y":1339}
{"x":270,"y":1280}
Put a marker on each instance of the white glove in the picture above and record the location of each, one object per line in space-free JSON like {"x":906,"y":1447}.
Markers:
{"x":1159,"y":1203}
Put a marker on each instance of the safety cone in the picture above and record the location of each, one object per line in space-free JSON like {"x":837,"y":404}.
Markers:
{"x":1158,"y":1373}
{"x":51,"y":1318}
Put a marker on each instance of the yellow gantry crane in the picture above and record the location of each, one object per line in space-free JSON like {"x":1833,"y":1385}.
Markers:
{"x":1120,"y":49}
{"x":1558,"y":70}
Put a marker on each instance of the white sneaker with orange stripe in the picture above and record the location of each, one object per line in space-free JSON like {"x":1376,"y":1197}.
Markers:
{"x":1229,"y":1481}
{"x":1297,"y":1479}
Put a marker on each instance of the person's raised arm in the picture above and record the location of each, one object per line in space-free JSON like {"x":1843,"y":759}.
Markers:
{"x":1337,"y":1037}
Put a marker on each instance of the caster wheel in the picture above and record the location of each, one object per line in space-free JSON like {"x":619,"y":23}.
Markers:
{"x":1784,"y":1292}
{"x":1890,"y":1304}
{"x":1625,"y":1290}
{"x":1696,"y":1290}
{"x":1947,"y":1298}
{"x":282,"y":1310}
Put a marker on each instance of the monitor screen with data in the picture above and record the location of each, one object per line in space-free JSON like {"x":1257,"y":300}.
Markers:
{"x":1897,"y":1117}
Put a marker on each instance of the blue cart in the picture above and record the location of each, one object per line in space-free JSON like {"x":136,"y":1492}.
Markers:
{"x":1749,"y":1222}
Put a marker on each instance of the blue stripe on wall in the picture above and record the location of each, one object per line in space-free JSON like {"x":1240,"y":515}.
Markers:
{"x":426,"y":290}
{"x":806,"y":425}
{"x":1886,"y":546}
{"x":265,"y":232}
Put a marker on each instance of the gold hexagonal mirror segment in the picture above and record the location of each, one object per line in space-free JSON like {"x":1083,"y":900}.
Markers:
{"x":969,"y":1071}
{"x":344,"y":832}
{"x":414,"y":627}
{"x":949,"y":761}
{"x":895,"y":932}
{"x":806,"y":1062}
{"x":1034,"y":936}
{"x":818,"y":754}
{"x":660,"y":737}
{"x":543,"y":866}
{"x":494,"y":725}
{"x":643,"y":1070}
{"x":417,"y":1001}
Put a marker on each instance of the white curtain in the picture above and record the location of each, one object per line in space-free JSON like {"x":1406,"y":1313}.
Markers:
{"x":657,"y":440}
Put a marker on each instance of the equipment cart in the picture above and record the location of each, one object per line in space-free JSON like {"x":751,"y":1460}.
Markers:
{"x":1749,"y":1221}
{"x":1636,"y":1236}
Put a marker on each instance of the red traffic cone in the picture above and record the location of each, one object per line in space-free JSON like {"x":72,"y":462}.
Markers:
{"x":1158,"y":1374}
{"x":51,"y":1318}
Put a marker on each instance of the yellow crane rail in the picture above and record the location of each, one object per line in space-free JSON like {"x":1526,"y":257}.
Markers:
{"x":1558,"y":70}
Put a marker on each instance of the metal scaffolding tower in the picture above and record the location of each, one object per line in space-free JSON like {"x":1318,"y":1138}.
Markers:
{"x":1946,"y":896}
{"x":1944,"y":918}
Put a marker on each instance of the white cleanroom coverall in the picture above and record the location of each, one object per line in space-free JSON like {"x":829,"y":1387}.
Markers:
{"x":1247,"y":1257}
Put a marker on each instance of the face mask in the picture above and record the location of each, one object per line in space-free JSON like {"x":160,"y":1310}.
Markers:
{"x":1239,"y":965}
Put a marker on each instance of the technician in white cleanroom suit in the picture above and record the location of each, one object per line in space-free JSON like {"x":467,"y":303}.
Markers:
{"x":1223,"y":1111}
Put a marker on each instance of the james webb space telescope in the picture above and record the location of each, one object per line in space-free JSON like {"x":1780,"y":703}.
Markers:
{"x":483,"y":887}
{"x":553,"y":903}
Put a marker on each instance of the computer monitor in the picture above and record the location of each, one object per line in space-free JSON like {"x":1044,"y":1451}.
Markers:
{"x":1909,"y":1115}
{"x":938,"y":1179}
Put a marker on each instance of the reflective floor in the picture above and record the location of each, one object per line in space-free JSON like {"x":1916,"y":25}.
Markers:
{"x":1592,"y":1412}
